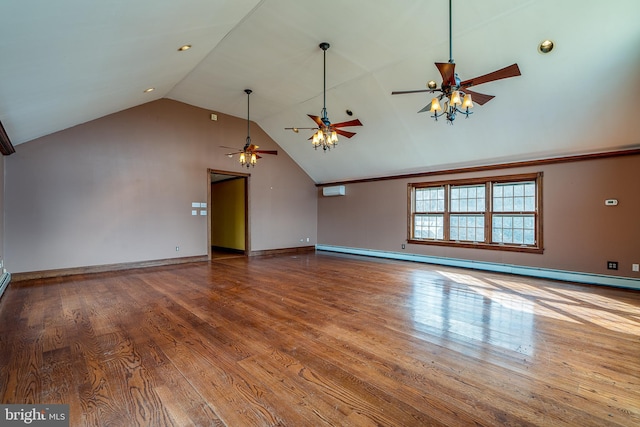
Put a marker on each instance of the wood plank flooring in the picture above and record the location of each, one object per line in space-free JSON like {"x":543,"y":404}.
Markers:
{"x":322,"y":340}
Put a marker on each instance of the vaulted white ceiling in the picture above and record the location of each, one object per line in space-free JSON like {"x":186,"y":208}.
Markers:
{"x":67,"y":62}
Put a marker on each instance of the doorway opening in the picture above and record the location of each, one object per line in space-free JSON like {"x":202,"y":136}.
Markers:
{"x":228,"y":204}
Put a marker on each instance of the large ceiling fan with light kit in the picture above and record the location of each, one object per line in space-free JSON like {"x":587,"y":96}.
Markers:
{"x":326,"y":135}
{"x":249,"y":154}
{"x":455,"y":93}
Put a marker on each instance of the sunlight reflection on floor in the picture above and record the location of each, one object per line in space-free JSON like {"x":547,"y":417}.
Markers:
{"x":517,"y":297}
{"x":483,"y":314}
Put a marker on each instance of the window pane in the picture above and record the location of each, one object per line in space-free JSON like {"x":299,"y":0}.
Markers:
{"x":529,"y":237}
{"x":514,"y":197}
{"x":529,"y":204}
{"x":428,"y":227}
{"x":468,"y":198}
{"x":530,"y":189}
{"x":467,"y":227}
{"x":517,"y":229}
{"x":529,"y":222}
{"x":429,"y":199}
{"x":518,"y":204}
{"x":518,"y":222}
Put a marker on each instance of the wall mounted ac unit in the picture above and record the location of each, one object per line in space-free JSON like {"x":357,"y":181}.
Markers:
{"x":336,"y":190}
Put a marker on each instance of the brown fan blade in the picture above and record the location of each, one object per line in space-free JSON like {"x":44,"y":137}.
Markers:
{"x":266,"y":151}
{"x":345,"y":133}
{"x":479,"y":98}
{"x":230,"y":148}
{"x":402,"y":92}
{"x":354,"y":122}
{"x":503,"y":73}
{"x":316,"y":119}
{"x":447,"y":71}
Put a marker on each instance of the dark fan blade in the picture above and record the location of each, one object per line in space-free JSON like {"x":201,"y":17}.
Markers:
{"x":316,"y":119}
{"x":345,"y":133}
{"x":266,"y":151}
{"x":447,"y":71}
{"x":354,"y":122}
{"x":479,"y":98}
{"x":402,"y":92}
{"x":503,"y":73}
{"x":230,"y":148}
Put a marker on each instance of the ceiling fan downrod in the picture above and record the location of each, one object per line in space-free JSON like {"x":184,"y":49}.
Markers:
{"x":248,"y":143}
{"x":325,"y":119}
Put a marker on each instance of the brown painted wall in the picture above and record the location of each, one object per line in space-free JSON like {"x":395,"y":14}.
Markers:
{"x":119,"y":189}
{"x":580,"y":233}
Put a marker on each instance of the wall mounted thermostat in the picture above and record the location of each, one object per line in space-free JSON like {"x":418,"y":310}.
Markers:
{"x":611,"y":202}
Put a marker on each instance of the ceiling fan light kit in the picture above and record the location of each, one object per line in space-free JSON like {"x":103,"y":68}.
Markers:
{"x":249,"y":154}
{"x":326,"y":135}
{"x":455,"y":96}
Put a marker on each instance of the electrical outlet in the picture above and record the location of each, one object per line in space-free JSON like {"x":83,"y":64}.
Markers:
{"x":612,"y":265}
{"x":635,"y":267}
{"x":177,"y":248}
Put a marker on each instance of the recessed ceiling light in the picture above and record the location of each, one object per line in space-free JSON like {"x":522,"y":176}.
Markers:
{"x":545,"y":46}
{"x":183,"y":48}
{"x":151,"y":89}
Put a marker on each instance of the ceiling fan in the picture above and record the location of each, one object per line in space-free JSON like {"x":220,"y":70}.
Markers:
{"x":458,"y":98}
{"x":326,"y":135}
{"x":249,"y":154}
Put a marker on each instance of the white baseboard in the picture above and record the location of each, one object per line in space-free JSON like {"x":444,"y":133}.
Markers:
{"x":545,"y":273}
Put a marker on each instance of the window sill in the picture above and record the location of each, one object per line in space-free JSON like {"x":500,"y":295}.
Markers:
{"x":490,"y":246}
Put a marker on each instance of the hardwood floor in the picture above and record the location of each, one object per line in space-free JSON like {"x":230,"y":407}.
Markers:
{"x":321,"y":339}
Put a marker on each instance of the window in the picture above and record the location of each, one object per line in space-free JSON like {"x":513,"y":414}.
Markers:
{"x":494,"y":213}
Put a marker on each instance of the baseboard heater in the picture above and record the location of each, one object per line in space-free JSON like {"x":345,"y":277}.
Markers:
{"x":5,"y":278}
